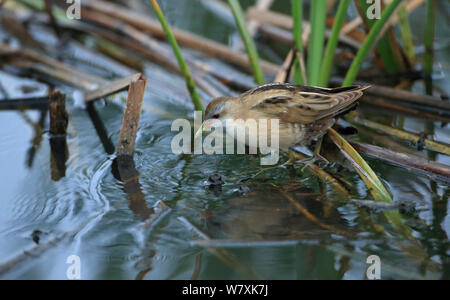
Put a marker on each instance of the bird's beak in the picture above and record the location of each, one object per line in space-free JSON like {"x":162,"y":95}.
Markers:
{"x":206,"y":126}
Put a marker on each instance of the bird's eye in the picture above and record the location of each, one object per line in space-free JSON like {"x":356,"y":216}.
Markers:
{"x":216,"y":116}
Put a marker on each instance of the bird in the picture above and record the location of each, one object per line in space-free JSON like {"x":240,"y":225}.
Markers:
{"x":305,"y":113}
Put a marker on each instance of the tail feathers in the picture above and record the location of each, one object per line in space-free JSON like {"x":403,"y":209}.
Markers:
{"x":347,"y":98}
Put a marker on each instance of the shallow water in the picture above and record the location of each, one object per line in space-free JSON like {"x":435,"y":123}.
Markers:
{"x":205,"y":232}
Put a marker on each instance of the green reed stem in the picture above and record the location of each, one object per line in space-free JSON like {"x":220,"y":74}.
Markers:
{"x":384,"y":45}
{"x":405,"y":30}
{"x":429,"y":40}
{"x":181,"y":62}
{"x":248,"y":41}
{"x":327,"y":64}
{"x":369,"y":42}
{"x":316,"y":40}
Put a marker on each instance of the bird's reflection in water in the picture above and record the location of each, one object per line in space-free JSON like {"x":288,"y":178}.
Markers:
{"x":266,"y":214}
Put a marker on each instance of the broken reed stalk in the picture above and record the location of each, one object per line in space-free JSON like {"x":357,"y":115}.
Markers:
{"x":328,"y":58}
{"x":59,"y":120}
{"x":111,"y":88}
{"x":183,"y":37}
{"x":250,"y":46}
{"x":261,"y":5}
{"x":409,"y":97}
{"x":39,"y":62}
{"x":375,"y":186}
{"x":429,"y":47}
{"x":190,"y":84}
{"x":274,"y":25}
{"x":369,"y":42}
{"x":34,"y":252}
{"x":283,"y":75}
{"x":316,"y":40}
{"x":131,"y":116}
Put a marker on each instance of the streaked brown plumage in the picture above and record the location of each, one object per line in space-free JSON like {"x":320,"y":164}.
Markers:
{"x":305,"y":113}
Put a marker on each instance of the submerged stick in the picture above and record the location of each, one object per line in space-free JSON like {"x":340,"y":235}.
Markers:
{"x":33,"y":252}
{"x":380,"y":102}
{"x":260,"y":6}
{"x":131,"y":116}
{"x":411,"y":162}
{"x":40,"y":103}
{"x":324,"y":176}
{"x":313,"y":218}
{"x":59,"y":118}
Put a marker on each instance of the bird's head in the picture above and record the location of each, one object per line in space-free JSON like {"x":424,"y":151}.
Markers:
{"x":218,"y":109}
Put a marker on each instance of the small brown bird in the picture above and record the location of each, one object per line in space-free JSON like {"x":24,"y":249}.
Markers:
{"x":305,"y":113}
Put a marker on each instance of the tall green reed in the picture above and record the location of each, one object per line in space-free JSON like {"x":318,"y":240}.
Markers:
{"x":327,"y":64}
{"x":297,"y":18}
{"x":384,"y":46}
{"x":316,"y":40}
{"x":248,"y":41}
{"x":369,"y":42}
{"x":190,"y":84}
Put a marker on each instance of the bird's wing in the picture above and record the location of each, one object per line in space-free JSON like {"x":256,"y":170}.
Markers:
{"x":300,"y":104}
